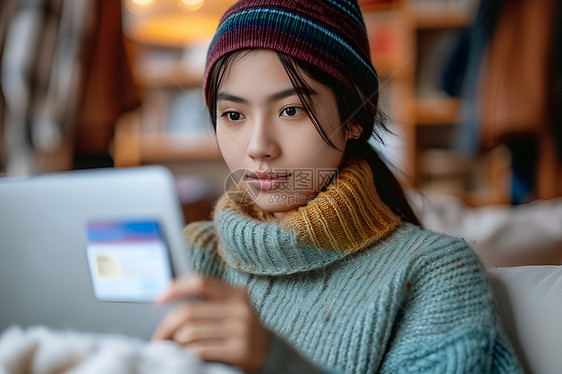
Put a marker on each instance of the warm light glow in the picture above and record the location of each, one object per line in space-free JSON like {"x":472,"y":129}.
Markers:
{"x":139,"y":7}
{"x":190,"y":5}
{"x":142,"y":2}
{"x":175,"y":29}
{"x":173,"y":23}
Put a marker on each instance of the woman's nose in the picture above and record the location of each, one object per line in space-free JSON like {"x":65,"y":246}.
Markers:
{"x":262,"y":142}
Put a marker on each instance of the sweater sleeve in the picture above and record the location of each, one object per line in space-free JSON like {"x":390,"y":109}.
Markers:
{"x":448,"y":322}
{"x":201,"y":241}
{"x":282,"y":358}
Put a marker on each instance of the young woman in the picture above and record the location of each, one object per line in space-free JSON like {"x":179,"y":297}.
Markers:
{"x":319,"y":264}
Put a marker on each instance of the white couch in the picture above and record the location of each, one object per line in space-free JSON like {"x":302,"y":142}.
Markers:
{"x":529,"y":300}
{"x":502,"y":235}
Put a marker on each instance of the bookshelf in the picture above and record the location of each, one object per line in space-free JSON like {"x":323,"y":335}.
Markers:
{"x":421,"y":34}
{"x":442,"y":14}
{"x":436,"y":111}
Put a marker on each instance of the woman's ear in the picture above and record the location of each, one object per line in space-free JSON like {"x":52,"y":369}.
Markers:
{"x":353,"y":131}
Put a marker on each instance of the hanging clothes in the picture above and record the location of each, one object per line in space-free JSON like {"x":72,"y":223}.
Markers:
{"x":461,"y":75}
{"x":557,"y":82}
{"x":109,"y":89}
{"x":515,"y":95}
{"x":7,"y":9}
{"x":64,"y":79}
{"x":515,"y":92}
{"x":41,"y":76}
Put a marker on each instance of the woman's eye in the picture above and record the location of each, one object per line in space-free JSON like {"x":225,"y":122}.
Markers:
{"x":233,"y":116}
{"x":291,"y":111}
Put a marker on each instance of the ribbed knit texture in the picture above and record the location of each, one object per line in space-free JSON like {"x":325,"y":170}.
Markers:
{"x":347,"y":217}
{"x":413,"y":301}
{"x":329,"y":34}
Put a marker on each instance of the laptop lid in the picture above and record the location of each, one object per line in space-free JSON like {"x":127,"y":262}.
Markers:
{"x":63,"y":244}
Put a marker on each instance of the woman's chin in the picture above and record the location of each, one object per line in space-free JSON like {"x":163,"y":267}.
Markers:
{"x":280,"y":204}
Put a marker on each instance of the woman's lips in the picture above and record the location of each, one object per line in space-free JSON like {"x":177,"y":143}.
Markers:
{"x":266,"y":181}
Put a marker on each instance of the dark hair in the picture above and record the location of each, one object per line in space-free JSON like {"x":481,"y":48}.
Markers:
{"x":354,"y":109}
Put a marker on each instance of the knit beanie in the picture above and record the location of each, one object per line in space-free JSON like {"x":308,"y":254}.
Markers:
{"x":329,"y":34}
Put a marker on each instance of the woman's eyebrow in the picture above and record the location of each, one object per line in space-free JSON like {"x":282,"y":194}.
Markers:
{"x":282,"y":95}
{"x":228,"y":97}
{"x":306,"y":91}
{"x":273,"y":98}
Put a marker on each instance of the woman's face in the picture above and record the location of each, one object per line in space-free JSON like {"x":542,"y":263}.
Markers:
{"x":266,"y":138}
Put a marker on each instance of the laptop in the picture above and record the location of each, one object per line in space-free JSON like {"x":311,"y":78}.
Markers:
{"x":89,"y":250}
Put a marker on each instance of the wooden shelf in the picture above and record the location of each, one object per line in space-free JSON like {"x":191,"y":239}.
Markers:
{"x":180,"y":146}
{"x":379,"y":6}
{"x":442,"y":14}
{"x":132,"y":146}
{"x":161,"y":66}
{"x":436,"y":111}
{"x":389,"y":39}
{"x":166,"y":73}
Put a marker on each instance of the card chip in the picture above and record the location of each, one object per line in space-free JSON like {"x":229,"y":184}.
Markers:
{"x":107,"y":266}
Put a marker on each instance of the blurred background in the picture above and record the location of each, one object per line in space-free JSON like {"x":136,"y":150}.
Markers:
{"x":472,"y":88}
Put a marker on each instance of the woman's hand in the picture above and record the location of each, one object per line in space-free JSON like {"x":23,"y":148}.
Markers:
{"x":219,"y":325}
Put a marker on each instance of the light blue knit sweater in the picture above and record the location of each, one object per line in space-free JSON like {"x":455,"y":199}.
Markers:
{"x":414,"y":301}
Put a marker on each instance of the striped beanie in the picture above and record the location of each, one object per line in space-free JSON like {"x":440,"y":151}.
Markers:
{"x":329,"y":34}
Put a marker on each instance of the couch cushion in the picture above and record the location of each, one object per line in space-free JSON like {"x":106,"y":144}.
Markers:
{"x":502,"y":235}
{"x":529,"y":300}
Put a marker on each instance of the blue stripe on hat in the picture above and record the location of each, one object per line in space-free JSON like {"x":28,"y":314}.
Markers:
{"x":355,"y":15}
{"x":223,"y":29}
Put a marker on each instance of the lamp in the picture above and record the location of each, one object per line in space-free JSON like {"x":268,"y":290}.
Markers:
{"x":171,"y":38}
{"x":172,"y":23}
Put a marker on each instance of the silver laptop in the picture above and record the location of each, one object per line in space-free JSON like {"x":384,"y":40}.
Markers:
{"x":89,"y":250}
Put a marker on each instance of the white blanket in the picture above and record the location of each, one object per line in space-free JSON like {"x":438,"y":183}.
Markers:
{"x":39,"y":350}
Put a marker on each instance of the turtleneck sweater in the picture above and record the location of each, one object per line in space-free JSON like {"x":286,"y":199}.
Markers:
{"x":344,"y":285}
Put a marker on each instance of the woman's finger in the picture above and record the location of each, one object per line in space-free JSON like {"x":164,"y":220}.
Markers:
{"x":171,"y":322}
{"x":228,"y":351}
{"x":189,"y":334}
{"x":213,"y":351}
{"x":194,"y":312}
{"x":198,"y":286}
